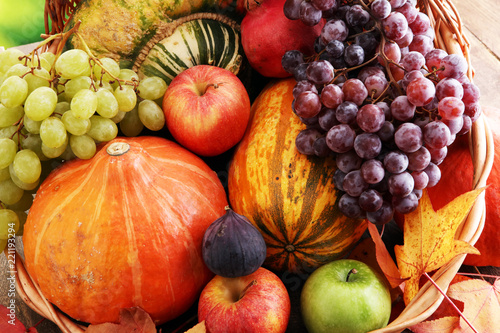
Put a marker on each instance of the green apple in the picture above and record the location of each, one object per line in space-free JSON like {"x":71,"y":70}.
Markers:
{"x":345,"y":296}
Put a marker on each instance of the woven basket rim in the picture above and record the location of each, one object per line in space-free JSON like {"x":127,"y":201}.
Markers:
{"x":449,"y":36}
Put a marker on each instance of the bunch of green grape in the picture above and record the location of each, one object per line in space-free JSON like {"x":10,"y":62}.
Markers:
{"x":60,"y":107}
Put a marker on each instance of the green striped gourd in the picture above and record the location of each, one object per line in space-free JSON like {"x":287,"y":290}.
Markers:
{"x":197,"y":39}
{"x":120,"y":28}
{"x":288,"y":196}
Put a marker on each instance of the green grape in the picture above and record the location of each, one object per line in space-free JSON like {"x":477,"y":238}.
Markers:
{"x":23,"y":217}
{"x":17,"y":70}
{"x":84,"y":104}
{"x":34,"y":142}
{"x":152,"y":88}
{"x":53,"y":133}
{"x":9,"y":58}
{"x":8,"y":150}
{"x":39,"y":62}
{"x":40,"y":103}
{"x":3,"y":244}
{"x":111,"y":67}
{"x":10,"y":116}
{"x":107,"y":105}
{"x":151,"y":115}
{"x":60,"y":88}
{"x":127,"y":75}
{"x":20,"y":183}
{"x":104,"y":85}
{"x":61,"y":108}
{"x":10,"y":193}
{"x":73,"y":63}
{"x":75,"y":85}
{"x":83,"y":146}
{"x":131,"y":124}
{"x":75,"y":126}
{"x":119,"y":117}
{"x":24,"y":203}
{"x":39,"y":78}
{"x":68,"y":153}
{"x":27,"y":166}
{"x":126,"y":98}
{"x":13,"y":91}
{"x":49,"y":57}
{"x":31,"y":126}
{"x":10,"y":132}
{"x":4,"y":174}
{"x":54,"y":152}
{"x":9,"y":223}
{"x":102,"y":129}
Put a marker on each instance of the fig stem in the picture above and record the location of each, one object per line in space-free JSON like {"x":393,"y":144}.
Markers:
{"x":352,"y":271}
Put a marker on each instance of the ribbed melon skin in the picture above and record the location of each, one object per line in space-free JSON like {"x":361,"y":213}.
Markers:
{"x":288,"y":196}
{"x":195,"y":42}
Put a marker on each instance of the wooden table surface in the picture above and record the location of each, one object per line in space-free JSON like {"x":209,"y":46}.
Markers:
{"x":481,"y":27}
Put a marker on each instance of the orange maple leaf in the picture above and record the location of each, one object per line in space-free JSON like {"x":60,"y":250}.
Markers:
{"x":384,"y":259}
{"x":429,"y":239}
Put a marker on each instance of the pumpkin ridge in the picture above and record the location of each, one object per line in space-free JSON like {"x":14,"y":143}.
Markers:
{"x":314,"y":177}
{"x":134,"y":263}
{"x":57,"y":180}
{"x":276,"y":168}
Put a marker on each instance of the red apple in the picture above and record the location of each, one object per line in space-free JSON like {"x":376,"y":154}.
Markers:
{"x":258,"y":302}
{"x":207,"y":109}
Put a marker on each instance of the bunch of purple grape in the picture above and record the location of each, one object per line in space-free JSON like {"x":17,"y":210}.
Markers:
{"x":379,"y":97}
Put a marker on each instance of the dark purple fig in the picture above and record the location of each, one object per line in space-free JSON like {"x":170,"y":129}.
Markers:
{"x":232,"y":246}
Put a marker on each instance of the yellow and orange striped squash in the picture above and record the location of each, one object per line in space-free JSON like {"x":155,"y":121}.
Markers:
{"x":288,"y":196}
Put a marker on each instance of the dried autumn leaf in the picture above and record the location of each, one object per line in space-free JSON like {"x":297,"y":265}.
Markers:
{"x":429,"y":239}
{"x":384,"y":259}
{"x":198,"y":328}
{"x":481,"y":304}
{"x":441,"y":325}
{"x":9,"y":322}
{"x":132,"y":320}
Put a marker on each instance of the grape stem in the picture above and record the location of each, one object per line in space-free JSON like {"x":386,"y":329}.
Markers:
{"x":103,"y":69}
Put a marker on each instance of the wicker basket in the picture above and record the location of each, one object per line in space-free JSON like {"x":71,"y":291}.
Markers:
{"x":450,"y":37}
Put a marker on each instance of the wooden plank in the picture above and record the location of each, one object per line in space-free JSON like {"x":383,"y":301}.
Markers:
{"x":487,"y":70}
{"x":481,"y":18}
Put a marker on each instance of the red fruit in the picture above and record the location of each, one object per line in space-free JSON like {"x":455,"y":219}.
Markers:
{"x":458,"y":166}
{"x":456,"y":179}
{"x":266,"y":34}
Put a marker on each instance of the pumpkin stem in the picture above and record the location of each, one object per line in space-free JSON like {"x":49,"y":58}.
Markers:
{"x":118,"y":148}
{"x":352,"y":271}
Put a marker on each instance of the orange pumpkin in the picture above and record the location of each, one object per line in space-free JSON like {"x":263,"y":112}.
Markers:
{"x":288,"y":196}
{"x":124,"y":229}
